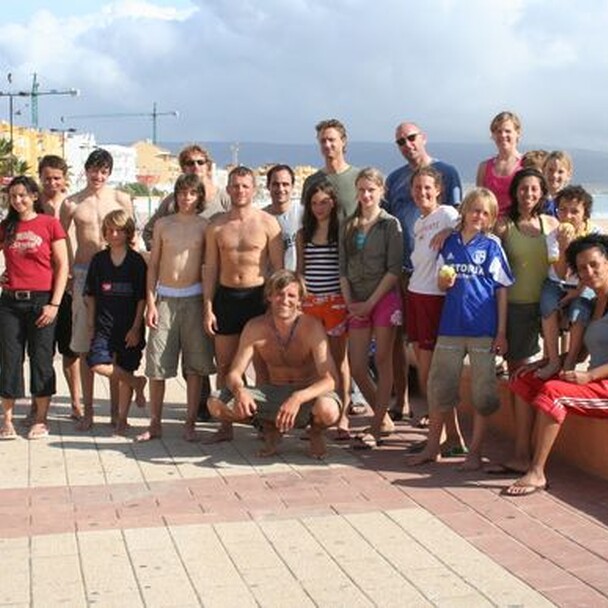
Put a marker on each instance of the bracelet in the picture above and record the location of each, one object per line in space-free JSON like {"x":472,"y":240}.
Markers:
{"x":53,"y":305}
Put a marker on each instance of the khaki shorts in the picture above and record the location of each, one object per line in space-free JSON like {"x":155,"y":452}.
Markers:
{"x":269,"y":399}
{"x":443,"y":388}
{"x":81,"y":336}
{"x":180,"y":329}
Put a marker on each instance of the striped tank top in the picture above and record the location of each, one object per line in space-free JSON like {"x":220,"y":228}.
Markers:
{"x":321,"y":269}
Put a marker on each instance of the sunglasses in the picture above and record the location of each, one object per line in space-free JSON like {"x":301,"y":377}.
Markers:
{"x":199,"y":161}
{"x":411,"y":137}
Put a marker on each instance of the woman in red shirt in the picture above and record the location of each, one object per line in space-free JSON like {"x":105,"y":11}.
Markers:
{"x":36,"y":260}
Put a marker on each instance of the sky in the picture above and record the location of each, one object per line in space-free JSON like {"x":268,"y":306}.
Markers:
{"x":269,"y":70}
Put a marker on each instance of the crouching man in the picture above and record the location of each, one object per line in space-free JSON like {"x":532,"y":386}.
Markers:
{"x":301,"y":372}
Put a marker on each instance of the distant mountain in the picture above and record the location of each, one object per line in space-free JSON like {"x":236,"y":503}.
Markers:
{"x":591,"y":168}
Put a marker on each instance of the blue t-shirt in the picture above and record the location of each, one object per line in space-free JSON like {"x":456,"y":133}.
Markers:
{"x":399,"y":201}
{"x":470,"y":307}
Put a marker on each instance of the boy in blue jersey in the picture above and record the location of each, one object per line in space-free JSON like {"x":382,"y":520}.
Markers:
{"x":474,"y":272}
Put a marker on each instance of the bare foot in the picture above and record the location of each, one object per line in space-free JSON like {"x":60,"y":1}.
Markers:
{"x":76,"y":413}
{"x":530,"y":483}
{"x":425,"y":456}
{"x":549,"y":370}
{"x":317,"y":448}
{"x":8,"y":431}
{"x":471,"y":463}
{"x":153,"y":432}
{"x":85,"y":423}
{"x":140,"y":397}
{"x":224,"y":433}
{"x":189,"y":433}
{"x":272,"y":437}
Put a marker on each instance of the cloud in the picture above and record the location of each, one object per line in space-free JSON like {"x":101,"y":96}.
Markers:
{"x":268,"y":70}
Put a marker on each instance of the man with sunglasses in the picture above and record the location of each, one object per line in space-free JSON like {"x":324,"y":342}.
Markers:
{"x":411,"y":141}
{"x":192,"y":159}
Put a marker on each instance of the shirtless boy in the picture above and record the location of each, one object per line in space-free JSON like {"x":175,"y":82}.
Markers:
{"x":174,"y":298}
{"x":240,"y":244}
{"x":53,"y":174}
{"x":301,"y":372}
{"x":86,"y":210}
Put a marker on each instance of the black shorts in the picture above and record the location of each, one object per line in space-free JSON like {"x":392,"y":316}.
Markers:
{"x":105,"y":351}
{"x":234,"y":306}
{"x":63,"y":328}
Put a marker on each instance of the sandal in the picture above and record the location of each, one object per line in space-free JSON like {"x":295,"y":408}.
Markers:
{"x":8,"y":432}
{"x":343,"y":435}
{"x":357,"y":409}
{"x":38,"y":431}
{"x":366,"y":441}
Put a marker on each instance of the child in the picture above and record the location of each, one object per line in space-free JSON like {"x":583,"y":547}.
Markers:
{"x":557,"y":170}
{"x":174,"y":297}
{"x":317,"y":256}
{"x":371,"y":256}
{"x":561,"y":291}
{"x":424,"y":298}
{"x":115,"y":291}
{"x":474,"y":272}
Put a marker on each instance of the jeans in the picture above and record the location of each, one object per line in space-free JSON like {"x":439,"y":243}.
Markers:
{"x":18,"y":332}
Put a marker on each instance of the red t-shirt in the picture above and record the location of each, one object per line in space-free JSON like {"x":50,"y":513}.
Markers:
{"x":28,"y":259}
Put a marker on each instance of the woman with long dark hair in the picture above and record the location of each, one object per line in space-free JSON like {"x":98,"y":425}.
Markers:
{"x":36,"y":261}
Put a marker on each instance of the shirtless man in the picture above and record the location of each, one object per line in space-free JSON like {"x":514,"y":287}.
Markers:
{"x":301,"y":372}
{"x":175,"y":305}
{"x":53,"y":173}
{"x":240,"y":245}
{"x":279,"y":181}
{"x":86,"y":210}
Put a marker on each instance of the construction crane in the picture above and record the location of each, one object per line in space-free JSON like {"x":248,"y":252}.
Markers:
{"x":36,"y":92}
{"x":154,"y":115}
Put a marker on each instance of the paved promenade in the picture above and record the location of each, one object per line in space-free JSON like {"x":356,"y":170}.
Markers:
{"x":89,"y":519}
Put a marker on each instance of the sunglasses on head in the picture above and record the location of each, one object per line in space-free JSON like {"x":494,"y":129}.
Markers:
{"x":411,"y":137}
{"x":199,"y":161}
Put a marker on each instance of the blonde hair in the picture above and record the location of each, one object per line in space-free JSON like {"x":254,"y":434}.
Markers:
{"x":120,"y":219}
{"x":535,"y":159}
{"x":373,"y":175}
{"x":504,"y":117}
{"x":559,"y":156}
{"x":281,"y":279}
{"x":479,"y":194}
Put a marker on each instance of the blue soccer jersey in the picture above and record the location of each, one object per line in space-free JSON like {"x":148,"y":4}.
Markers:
{"x":470,"y":307}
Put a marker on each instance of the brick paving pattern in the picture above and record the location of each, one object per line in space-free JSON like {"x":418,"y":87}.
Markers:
{"x":89,"y":519}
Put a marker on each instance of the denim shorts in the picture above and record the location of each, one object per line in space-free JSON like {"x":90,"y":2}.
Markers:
{"x":579,"y":309}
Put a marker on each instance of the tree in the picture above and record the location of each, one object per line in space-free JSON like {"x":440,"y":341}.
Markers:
{"x":10,"y":164}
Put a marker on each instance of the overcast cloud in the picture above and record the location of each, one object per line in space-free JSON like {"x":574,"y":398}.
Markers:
{"x":268,"y":70}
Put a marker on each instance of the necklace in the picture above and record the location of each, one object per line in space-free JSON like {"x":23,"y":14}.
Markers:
{"x":284,"y":342}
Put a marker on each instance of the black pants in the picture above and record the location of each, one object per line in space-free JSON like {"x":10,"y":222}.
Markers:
{"x":18,"y":332}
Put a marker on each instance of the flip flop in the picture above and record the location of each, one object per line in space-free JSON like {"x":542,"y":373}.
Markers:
{"x":423,"y":423}
{"x":38,"y":431}
{"x":454,"y":451}
{"x":8,"y":432}
{"x":503,"y":469}
{"x":343,"y":435}
{"x":366,"y":441}
{"x":523,"y":489}
{"x":357,"y":409}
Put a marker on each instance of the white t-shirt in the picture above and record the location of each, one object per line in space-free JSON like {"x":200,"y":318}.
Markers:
{"x":424,"y":259}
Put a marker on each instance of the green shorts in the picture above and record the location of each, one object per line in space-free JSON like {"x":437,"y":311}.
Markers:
{"x":180,"y":330}
{"x":269,"y":398}
{"x":446,"y":370}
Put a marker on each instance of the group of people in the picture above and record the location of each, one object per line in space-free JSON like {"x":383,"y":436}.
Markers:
{"x":304,"y":292}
